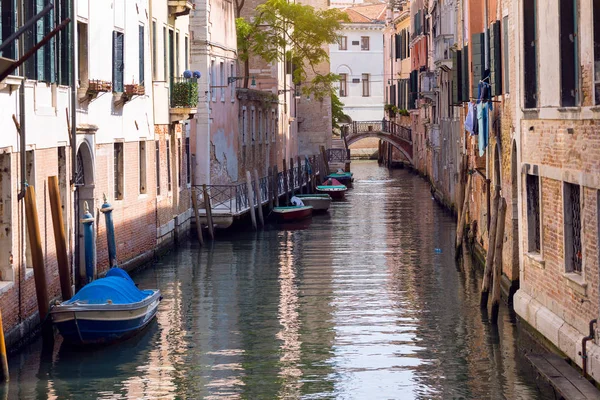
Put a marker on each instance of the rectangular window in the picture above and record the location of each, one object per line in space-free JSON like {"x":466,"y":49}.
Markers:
{"x":157,"y":163}
{"x":530,"y":53}
{"x":141,"y":55}
{"x":213,"y":79}
{"x":8,"y":23}
{"x":533,"y":213}
{"x":232,"y":74}
{"x":365,"y":85}
{"x":186,"y":64}
{"x":82,"y":54}
{"x":142,"y":166}
{"x":597,"y":50}
{"x":569,"y":56}
{"x":259,"y":126}
{"x":177,"y":70}
{"x":63,"y":8}
{"x":364,"y":43}
{"x":118,"y":66}
{"x":244,"y":123}
{"x":169,"y":179}
{"x":343,"y":43}
{"x":252,"y":126}
{"x":118,"y":170}
{"x":222,"y":79}
{"x":179,"y":163}
{"x":572,"y":214}
{"x":188,"y":161}
{"x":343,"y":85}
{"x":154,"y":59}
{"x":171,"y":54}
{"x":165,"y":55}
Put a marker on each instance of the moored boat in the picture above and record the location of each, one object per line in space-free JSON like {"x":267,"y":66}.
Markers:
{"x":345,"y":178}
{"x":106,"y":310}
{"x":318,"y":201}
{"x":292,"y":213}
{"x":333,"y":188}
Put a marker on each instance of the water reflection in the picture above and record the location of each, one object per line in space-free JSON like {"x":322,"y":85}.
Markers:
{"x":363,"y":302}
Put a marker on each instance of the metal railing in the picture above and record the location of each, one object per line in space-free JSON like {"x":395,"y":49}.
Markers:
{"x":337,"y":155}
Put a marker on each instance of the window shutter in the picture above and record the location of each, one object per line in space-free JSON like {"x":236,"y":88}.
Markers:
{"x":407,"y":45}
{"x":39,"y":35}
{"x":117,"y":62}
{"x":505,"y":54}
{"x":478,"y":61}
{"x":8,"y":17}
{"x":495,"y":59}
{"x":397,"y":50}
{"x":64,"y":44}
{"x":49,"y":50}
{"x":457,"y":77}
{"x":465,"y":74}
{"x":141,"y":59}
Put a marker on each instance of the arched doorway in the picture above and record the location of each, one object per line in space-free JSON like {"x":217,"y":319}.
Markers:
{"x":84,"y":192}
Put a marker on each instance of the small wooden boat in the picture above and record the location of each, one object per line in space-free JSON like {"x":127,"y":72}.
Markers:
{"x":106,"y":310}
{"x":292,"y":213}
{"x":345,"y":178}
{"x":333,"y":188}
{"x":319,"y":201}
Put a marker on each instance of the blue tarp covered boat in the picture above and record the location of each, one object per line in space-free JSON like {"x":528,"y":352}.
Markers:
{"x":106,"y":310}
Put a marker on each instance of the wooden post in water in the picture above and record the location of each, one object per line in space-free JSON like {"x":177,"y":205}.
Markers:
{"x":3,"y":357}
{"x":489,"y":258}
{"x":259,"y":199}
{"x":286,"y":187}
{"x":270,"y":190}
{"x":197,"y":216}
{"x":208,"y":208}
{"x":60,"y":238}
{"x":276,"y":184}
{"x":250,"y":199}
{"x":325,"y":162}
{"x":300,"y":175}
{"x":498,"y":259}
{"x":292,"y":177}
{"x":37,"y":256}
{"x":461,"y":222}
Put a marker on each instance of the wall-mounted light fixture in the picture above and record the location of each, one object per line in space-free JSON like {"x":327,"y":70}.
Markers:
{"x":232,"y":79}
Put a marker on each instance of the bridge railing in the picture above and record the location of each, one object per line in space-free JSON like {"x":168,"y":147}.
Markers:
{"x":362,"y":127}
{"x":399,"y":131}
{"x":338,"y":155}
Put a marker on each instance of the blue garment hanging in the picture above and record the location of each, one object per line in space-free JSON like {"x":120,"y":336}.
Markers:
{"x":483,"y":110}
{"x":470,"y":120}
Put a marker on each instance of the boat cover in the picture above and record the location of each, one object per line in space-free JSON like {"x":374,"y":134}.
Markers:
{"x":117,"y":287}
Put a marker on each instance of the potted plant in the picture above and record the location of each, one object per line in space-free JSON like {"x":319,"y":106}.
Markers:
{"x":184,"y":94}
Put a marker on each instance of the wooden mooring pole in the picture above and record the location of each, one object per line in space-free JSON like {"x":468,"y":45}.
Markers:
{"x":258,"y":198}
{"x":3,"y":357}
{"x":460,"y":229}
{"x":276,"y":185}
{"x":285,"y":182}
{"x":197,"y":216}
{"x":489,"y":258}
{"x":272,"y":189}
{"x":300,"y":175}
{"x":498,"y":260}
{"x":292,"y":177}
{"x":250,"y":199}
{"x":325,"y":162}
{"x":60,"y":238}
{"x":208,"y":208}
{"x":37,"y":255}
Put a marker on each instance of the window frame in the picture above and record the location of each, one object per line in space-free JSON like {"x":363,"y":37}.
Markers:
{"x":343,"y":92}
{"x":118,"y":166}
{"x":365,"y":40}
{"x":366,"y":81}
{"x":342,"y":43}
{"x":534,"y":226}
{"x":570,"y":240}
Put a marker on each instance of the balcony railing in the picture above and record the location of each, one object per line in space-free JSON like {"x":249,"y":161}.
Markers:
{"x":442,"y":50}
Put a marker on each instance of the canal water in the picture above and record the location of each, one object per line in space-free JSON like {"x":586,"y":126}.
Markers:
{"x":365,"y":302}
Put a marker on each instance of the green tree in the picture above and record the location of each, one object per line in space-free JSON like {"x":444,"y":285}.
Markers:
{"x":295,"y":34}
{"x":337,"y":111}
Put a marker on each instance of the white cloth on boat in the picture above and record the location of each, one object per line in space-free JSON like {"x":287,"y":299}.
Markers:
{"x":296,"y":201}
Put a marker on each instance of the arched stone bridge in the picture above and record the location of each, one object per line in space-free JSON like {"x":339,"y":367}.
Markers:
{"x":397,"y":135}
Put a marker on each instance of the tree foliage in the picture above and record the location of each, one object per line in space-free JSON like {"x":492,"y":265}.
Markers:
{"x":337,"y":111}
{"x":295,"y":34}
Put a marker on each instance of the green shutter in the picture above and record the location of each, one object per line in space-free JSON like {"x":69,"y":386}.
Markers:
{"x":8,"y":20}
{"x":505,"y":54}
{"x":465,"y":74}
{"x":478,"y":62}
{"x":49,"y":50}
{"x":456,"y":77}
{"x":65,"y":52}
{"x":40,"y":28}
{"x":495,"y":59}
{"x":141,"y":58}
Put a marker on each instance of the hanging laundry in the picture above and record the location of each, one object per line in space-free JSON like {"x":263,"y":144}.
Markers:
{"x":483,"y":110}
{"x":470,"y":120}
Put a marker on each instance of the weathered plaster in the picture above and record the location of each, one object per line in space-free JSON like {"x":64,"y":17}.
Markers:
{"x":226,"y":153}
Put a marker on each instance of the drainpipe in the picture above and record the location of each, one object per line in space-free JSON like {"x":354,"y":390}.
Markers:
{"x":583,"y":352}
{"x":75,"y":252}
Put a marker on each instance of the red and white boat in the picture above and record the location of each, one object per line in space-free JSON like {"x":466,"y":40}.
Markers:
{"x":333,"y":188}
{"x":292,"y":213}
